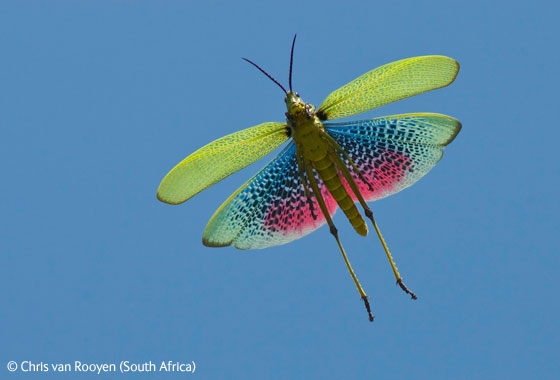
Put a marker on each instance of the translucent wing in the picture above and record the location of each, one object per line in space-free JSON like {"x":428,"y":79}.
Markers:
{"x":389,"y":83}
{"x":269,"y":209}
{"x":394,"y":152}
{"x":219,"y":159}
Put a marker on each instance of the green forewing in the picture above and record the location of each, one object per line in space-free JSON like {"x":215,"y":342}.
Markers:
{"x":220,"y":159}
{"x":389,"y":83}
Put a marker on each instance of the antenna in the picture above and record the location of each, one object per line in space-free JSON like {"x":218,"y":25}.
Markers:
{"x":267,"y":74}
{"x":292,"y":60}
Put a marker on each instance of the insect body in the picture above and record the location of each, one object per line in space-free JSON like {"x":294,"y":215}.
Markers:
{"x":314,"y":149}
{"x":325,"y":165}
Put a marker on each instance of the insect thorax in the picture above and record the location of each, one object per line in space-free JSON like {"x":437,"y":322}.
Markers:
{"x":305,"y":127}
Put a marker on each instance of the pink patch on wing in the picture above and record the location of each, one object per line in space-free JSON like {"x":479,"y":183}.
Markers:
{"x":293,"y":215}
{"x":385,"y":179}
{"x":386,"y":174}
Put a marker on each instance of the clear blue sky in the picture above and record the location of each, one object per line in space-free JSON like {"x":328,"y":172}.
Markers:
{"x":99,"y":101}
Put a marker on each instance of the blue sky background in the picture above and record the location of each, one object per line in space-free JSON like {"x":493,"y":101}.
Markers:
{"x":99,"y":101}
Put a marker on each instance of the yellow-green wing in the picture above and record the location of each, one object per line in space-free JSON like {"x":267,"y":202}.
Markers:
{"x":219,"y":159}
{"x":389,"y":83}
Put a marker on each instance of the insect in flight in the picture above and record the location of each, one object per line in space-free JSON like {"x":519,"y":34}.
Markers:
{"x":325,"y":165}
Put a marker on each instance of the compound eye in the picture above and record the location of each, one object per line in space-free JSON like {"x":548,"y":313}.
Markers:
{"x":297,"y":94}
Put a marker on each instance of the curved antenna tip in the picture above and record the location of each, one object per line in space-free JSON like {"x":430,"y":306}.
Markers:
{"x":292,"y":61}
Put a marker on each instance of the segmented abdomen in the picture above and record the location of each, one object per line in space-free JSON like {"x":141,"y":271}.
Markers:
{"x":330,"y":176}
